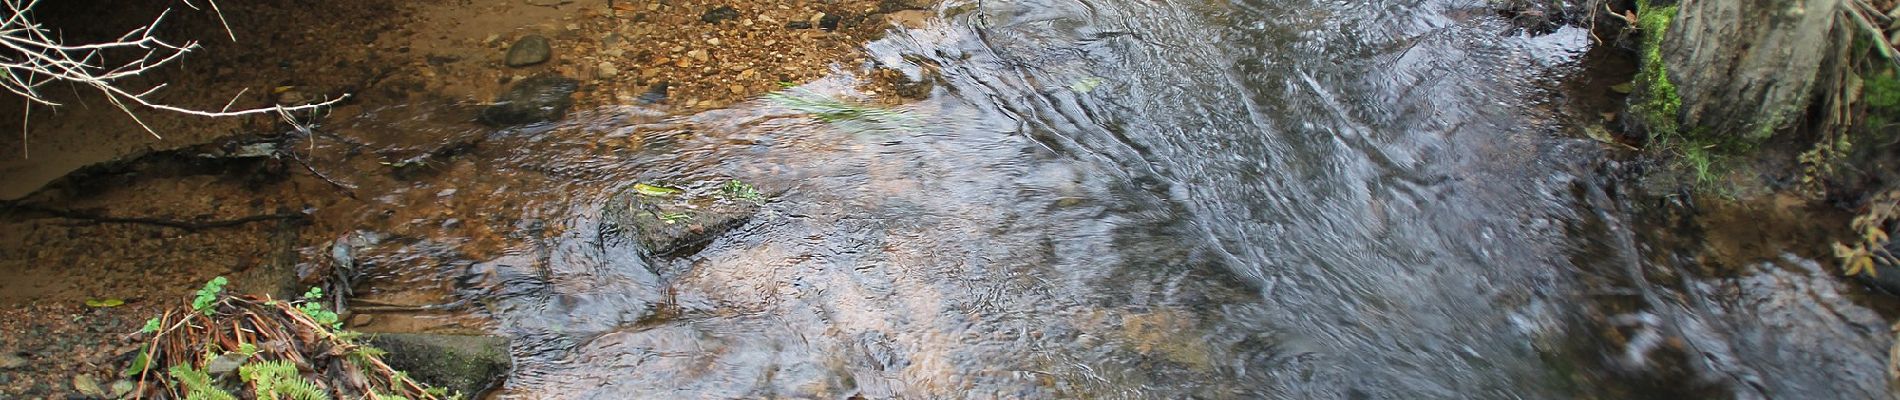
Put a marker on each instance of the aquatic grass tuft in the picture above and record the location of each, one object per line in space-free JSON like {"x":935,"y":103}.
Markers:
{"x":854,"y":116}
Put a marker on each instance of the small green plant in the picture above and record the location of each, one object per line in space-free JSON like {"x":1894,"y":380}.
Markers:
{"x":198,"y":384}
{"x":312,"y":307}
{"x":735,"y":189}
{"x":151,"y":326}
{"x":208,"y":296}
{"x":280,"y":380}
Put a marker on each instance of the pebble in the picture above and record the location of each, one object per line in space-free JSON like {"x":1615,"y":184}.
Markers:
{"x":122,"y":387}
{"x":607,"y":70}
{"x":530,"y":50}
{"x":698,"y":54}
{"x":86,"y":385}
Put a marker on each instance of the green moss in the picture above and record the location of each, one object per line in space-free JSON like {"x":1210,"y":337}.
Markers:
{"x":1657,"y":104}
{"x":1881,"y":94}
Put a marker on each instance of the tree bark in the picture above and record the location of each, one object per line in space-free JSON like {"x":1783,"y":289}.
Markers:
{"x":1749,"y":68}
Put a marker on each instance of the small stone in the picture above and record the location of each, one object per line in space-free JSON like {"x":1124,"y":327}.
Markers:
{"x":829,"y":22}
{"x":720,"y":14}
{"x":122,"y":387}
{"x":361,"y":320}
{"x":225,"y":363}
{"x":548,"y":3}
{"x":541,"y":98}
{"x":713,"y":41}
{"x":492,"y":39}
{"x":86,"y":385}
{"x":798,"y":25}
{"x":530,"y":50}
{"x":573,"y":27}
{"x":698,"y":54}
{"x":606,"y":70}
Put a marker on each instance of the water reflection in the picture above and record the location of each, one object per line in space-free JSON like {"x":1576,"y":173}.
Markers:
{"x":1134,"y":199}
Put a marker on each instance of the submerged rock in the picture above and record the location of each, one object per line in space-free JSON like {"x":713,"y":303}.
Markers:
{"x":541,"y":98}
{"x":666,"y":222}
{"x":530,"y":50}
{"x":467,"y":364}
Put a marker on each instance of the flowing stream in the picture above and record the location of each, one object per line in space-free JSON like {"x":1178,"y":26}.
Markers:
{"x":1139,"y":199}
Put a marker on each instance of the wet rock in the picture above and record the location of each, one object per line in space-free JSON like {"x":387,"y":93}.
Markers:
{"x":654,"y":94}
{"x":890,"y":6}
{"x":672,"y":225}
{"x":530,"y":50}
{"x":541,"y":98}
{"x":829,"y":22}
{"x":720,"y":14}
{"x":470,"y":365}
{"x":798,"y":25}
{"x":86,"y":385}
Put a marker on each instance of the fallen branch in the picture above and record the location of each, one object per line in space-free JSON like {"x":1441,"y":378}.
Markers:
{"x":32,"y":56}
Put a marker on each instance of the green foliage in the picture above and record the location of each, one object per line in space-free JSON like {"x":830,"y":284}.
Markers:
{"x":197,"y":384}
{"x":735,"y":189}
{"x":208,"y":296}
{"x":151,"y":326}
{"x":312,"y":307}
{"x":280,"y":380}
{"x":1882,"y":95}
{"x":1658,"y":104}
{"x":138,"y":363}
{"x":1701,"y":160}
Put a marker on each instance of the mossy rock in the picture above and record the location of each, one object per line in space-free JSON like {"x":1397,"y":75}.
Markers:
{"x":467,"y":364}
{"x":672,"y":224}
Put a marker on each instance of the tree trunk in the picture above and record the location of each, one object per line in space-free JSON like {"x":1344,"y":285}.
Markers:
{"x":1749,"y":68}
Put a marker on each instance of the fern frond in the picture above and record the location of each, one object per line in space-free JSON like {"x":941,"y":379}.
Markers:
{"x":280,"y":379}
{"x":197,"y":384}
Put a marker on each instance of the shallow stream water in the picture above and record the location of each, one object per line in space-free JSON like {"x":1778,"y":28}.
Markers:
{"x":1132,"y":199}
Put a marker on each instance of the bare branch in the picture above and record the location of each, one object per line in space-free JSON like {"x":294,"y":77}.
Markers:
{"x":31,"y":56}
